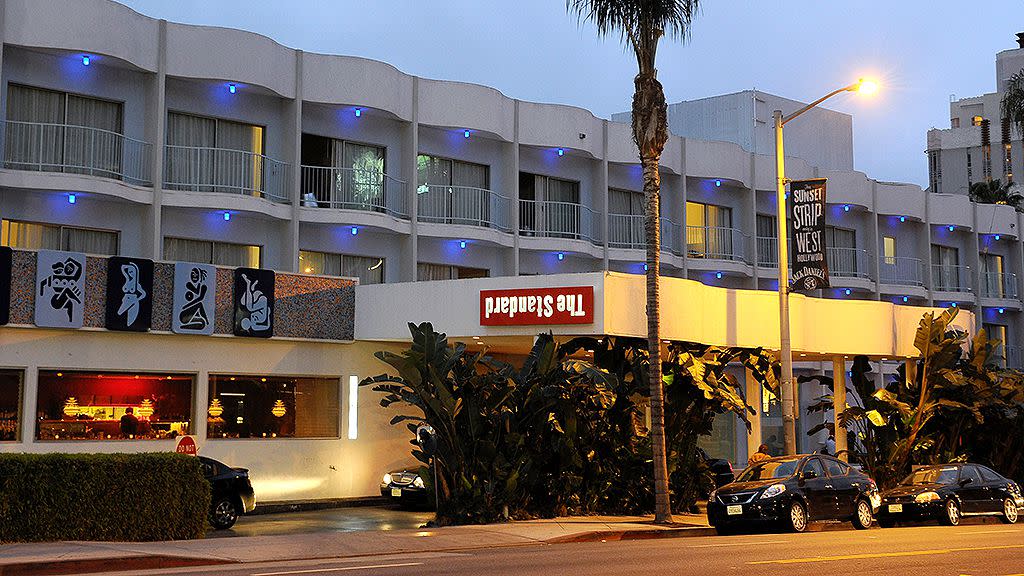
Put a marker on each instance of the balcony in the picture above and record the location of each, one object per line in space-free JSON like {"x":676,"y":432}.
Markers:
{"x":76,"y":150}
{"x":545,"y":219}
{"x":202,"y":169}
{"x":998,"y":285}
{"x":902,"y":271}
{"x":464,"y":205}
{"x":627,"y":231}
{"x":351,"y":189}
{"x":849,"y":262}
{"x":767,"y":252}
{"x":716,"y":243}
{"x":951,"y":278}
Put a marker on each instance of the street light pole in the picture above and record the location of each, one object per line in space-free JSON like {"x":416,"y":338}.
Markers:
{"x":789,"y":401}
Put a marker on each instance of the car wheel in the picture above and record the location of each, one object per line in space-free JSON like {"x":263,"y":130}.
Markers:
{"x":886,"y":522}
{"x":1009,"y":512}
{"x":723,"y":530}
{"x":797,"y":517}
{"x":224,"y":514}
{"x":864,"y":517}
{"x":951,"y":517}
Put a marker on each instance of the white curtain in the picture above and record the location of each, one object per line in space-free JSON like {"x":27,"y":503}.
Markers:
{"x":190,"y":167}
{"x":185,"y":250}
{"x":433,"y":272}
{"x":30,"y":236}
{"x":361,"y":180}
{"x":96,"y":147}
{"x":243,"y":255}
{"x":102,"y":242}
{"x":369,"y":270}
{"x":37,"y":146}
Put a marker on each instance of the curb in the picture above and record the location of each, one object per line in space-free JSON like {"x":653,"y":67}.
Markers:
{"x":51,"y":568}
{"x":642,"y":534}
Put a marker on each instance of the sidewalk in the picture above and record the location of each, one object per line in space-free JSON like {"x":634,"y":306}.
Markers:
{"x":79,"y":557}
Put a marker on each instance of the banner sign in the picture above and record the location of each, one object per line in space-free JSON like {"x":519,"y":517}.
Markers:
{"x":807,"y":215}
{"x":195,"y":294}
{"x":535,"y":306}
{"x":254,"y":302}
{"x":5,"y":284}
{"x":129,"y":294}
{"x":60,"y":289}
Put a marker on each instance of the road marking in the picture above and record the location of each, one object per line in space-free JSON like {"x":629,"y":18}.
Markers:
{"x":1004,"y":531}
{"x":340,"y":569}
{"x":934,"y":552}
{"x":739,"y":544}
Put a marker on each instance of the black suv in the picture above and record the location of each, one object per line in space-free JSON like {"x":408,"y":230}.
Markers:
{"x":791,"y":491}
{"x":231,"y":492}
{"x":949,"y":492}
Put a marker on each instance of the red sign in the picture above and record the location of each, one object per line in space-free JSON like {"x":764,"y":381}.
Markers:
{"x":533,"y":306}
{"x":187,"y":445}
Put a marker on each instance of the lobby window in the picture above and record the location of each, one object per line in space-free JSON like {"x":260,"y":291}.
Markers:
{"x":112,"y":406}
{"x":426,"y":271}
{"x":10,"y":404}
{"x":241,"y":406}
{"x":59,"y":132}
{"x":369,"y":269}
{"x":342,"y":174}
{"x":36,"y":236}
{"x":889,"y":250}
{"x":214,"y":155}
{"x":209,"y":252}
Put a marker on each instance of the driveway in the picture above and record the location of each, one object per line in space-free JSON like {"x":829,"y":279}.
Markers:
{"x":330,"y":520}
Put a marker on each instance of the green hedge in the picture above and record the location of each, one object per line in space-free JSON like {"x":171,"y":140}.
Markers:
{"x":117,"y":497}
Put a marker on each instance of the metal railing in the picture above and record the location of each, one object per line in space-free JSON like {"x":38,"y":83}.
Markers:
{"x":996,"y":285}
{"x":767,"y":252}
{"x":716,"y":243}
{"x":463,"y":205}
{"x":627,"y":231}
{"x":558,"y":220}
{"x":204,"y":169}
{"x":76,"y":150}
{"x":352,"y":189}
{"x":849,"y":262}
{"x":902,"y":271}
{"x":671,"y":237}
{"x":951,"y":278}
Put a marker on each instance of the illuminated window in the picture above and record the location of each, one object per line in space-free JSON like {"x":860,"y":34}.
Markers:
{"x":426,"y":271}
{"x":889,"y":249}
{"x":977,"y":120}
{"x":245,"y":406}
{"x":36,"y":236}
{"x":209,"y":252}
{"x":10,"y":404}
{"x":214,"y":155}
{"x":369,"y":269}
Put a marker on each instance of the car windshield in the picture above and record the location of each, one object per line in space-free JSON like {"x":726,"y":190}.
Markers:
{"x":946,"y":475}
{"x":772,"y":469}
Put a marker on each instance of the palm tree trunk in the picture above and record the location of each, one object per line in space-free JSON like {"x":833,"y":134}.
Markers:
{"x":650,"y":131}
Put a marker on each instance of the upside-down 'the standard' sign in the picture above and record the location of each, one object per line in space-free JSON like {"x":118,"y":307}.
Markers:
{"x":533,"y":306}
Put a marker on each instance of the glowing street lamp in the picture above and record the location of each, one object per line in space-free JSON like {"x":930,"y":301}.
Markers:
{"x":862,"y":86}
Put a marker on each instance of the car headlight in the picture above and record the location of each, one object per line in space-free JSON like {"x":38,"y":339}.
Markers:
{"x":418,"y":482}
{"x":926,"y":497}
{"x":773,"y":491}
{"x":387,"y":479}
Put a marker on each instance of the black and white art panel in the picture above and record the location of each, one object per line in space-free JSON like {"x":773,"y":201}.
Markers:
{"x":60,"y":289}
{"x":129,"y":294}
{"x":254,"y":302}
{"x":195,"y":293}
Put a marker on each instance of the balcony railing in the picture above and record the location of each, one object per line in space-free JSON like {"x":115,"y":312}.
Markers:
{"x":996,"y":285}
{"x":76,"y":150}
{"x":557,"y":220}
{"x":767,"y":252}
{"x":671,"y":237}
{"x":464,"y":205}
{"x":627,"y":231}
{"x":716,"y":243}
{"x":203,"y":169}
{"x":951,"y":278}
{"x":902,"y":271}
{"x":849,"y":262}
{"x":351,"y":189}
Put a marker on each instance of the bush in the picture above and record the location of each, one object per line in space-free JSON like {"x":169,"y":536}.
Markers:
{"x":121,"y":497}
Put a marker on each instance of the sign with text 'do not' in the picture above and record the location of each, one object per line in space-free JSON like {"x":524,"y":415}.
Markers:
{"x":195,"y":297}
{"x":807,"y":226}
{"x":187,"y":445}
{"x":537,"y":306}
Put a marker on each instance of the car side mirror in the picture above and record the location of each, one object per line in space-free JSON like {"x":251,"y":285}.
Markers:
{"x":810,"y":475}
{"x":966,"y":481}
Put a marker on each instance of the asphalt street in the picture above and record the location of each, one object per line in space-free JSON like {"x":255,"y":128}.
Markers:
{"x":989,"y":549}
{"x":329,"y":520}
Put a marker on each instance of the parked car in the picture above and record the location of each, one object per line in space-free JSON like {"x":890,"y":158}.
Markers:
{"x":231,"y":492}
{"x":405,"y":486}
{"x":948,"y":492}
{"x":720,"y":468}
{"x":793,"y":490}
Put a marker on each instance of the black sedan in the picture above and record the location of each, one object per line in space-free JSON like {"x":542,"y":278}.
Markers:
{"x":231,"y":492}
{"x":405,"y":486}
{"x":793,"y":490}
{"x":948,"y":492}
{"x":721,"y":469}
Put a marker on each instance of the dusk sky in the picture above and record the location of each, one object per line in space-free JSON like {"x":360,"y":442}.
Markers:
{"x":921,"y":52}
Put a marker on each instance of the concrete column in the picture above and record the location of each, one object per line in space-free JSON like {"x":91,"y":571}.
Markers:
{"x":290,"y":258}
{"x":29,"y":394}
{"x":876,"y":241}
{"x":974,"y":257}
{"x":513,"y":191}
{"x":929,"y":271}
{"x":412,"y":142}
{"x":200,"y":403}
{"x":839,"y":405}
{"x":602,"y":189}
{"x":753,"y":393}
{"x":752,"y":215}
{"x":682,"y":164}
{"x":156,"y":126}
{"x":879,"y":376}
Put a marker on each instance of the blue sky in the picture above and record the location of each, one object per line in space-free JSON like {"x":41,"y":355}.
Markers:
{"x":921,"y":51}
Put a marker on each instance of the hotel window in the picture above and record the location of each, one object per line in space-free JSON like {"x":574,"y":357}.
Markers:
{"x":767,"y":240}
{"x":208,"y":252}
{"x":112,"y":406}
{"x":954,"y":122}
{"x":977,"y":121}
{"x":842,"y":251}
{"x":214,"y":155}
{"x":453,"y":191}
{"x":10,"y":404}
{"x":60,"y":132}
{"x":369,"y":269}
{"x":993,"y":282}
{"x":998,"y":332}
{"x":342,"y":174}
{"x":709,"y":232}
{"x":272,"y":407}
{"x":549,"y":206}
{"x":946,"y":267}
{"x":35,"y":236}
{"x":970,"y":170}
{"x":426,"y":272}
{"x":889,"y":250}
{"x":626,"y":218}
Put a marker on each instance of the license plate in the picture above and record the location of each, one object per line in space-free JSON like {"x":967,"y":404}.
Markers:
{"x":734,"y":510}
{"x":895,"y":508}
{"x":396,"y":492}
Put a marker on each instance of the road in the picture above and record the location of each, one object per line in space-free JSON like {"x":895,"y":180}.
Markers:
{"x":989,"y":549}
{"x":329,"y":520}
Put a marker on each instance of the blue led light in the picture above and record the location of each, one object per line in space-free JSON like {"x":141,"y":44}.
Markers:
{"x":227,"y":216}
{"x":848,"y":291}
{"x":561,"y":152}
{"x":786,"y":195}
{"x":71,"y":198}
{"x":951,"y":228}
{"x":85,"y":60}
{"x":846,"y":207}
{"x":462,"y":244}
{"x":849,"y":373}
{"x":232,"y":88}
{"x":953,"y":304}
{"x":646,"y":268}
{"x":997,"y":237}
{"x":718,"y":275}
{"x":359,"y":112}
{"x":561,"y":256}
{"x":355,"y":230}
{"x":903,"y":218}
{"x":905,"y":299}
{"x":466,"y":133}
{"x":718,"y":183}
{"x":1001,"y":310}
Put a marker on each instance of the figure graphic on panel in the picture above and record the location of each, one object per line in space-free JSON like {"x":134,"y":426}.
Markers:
{"x":193,"y":314}
{"x":256,"y":304}
{"x":63,"y":280}
{"x":133,"y":293}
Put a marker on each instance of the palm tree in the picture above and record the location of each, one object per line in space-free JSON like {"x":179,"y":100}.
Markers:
{"x":1013,"y":101}
{"x":641,"y":24}
{"x":995,"y":192}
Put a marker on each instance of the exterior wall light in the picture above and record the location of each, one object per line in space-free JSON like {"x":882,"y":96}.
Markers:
{"x":848,"y":291}
{"x":846,"y":207}
{"x":718,"y":183}
{"x":718,"y":275}
{"x":232,"y":88}
{"x":561,"y":152}
{"x":903,"y":218}
{"x":905,"y":299}
{"x":646,"y":267}
{"x":951,"y":228}
{"x":359,"y":112}
{"x":953,"y":304}
{"x":72,"y":198}
{"x":465,"y":133}
{"x":355,"y":230}
{"x":85,"y":60}
{"x":462,"y":244}
{"x":227,"y":216}
{"x":561,"y":256}
{"x":1001,"y":310}
{"x":997,"y":237}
